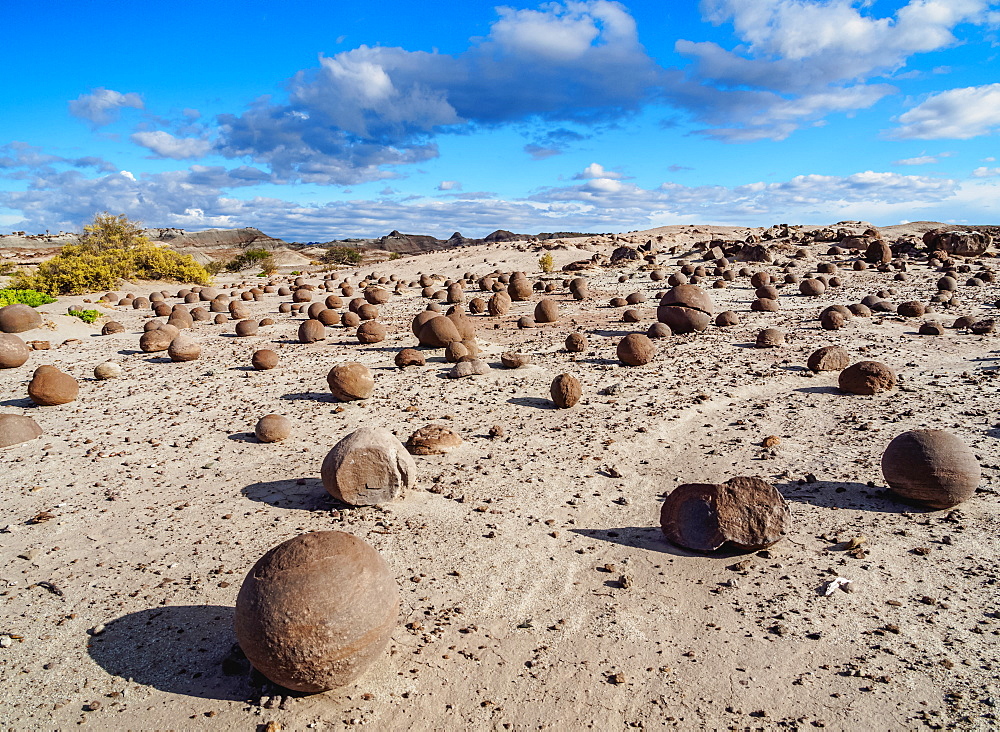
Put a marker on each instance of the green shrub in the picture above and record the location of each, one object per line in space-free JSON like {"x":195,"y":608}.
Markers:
{"x":7,"y":268}
{"x":342,"y":255}
{"x":10,"y":296}
{"x":87,"y":316}
{"x":112,"y":248}
{"x":251,"y":258}
{"x":215,"y":266}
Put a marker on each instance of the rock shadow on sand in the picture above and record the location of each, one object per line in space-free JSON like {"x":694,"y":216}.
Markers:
{"x":308,"y":496}
{"x":857,"y":496}
{"x":176,"y":649}
{"x":652,"y":539}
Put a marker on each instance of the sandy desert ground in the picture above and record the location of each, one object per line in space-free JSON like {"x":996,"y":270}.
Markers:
{"x":538,"y":591}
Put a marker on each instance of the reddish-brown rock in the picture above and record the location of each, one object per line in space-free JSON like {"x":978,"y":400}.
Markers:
{"x":273,"y":428}
{"x":409,"y":357}
{"x":13,"y":351}
{"x":18,"y":318}
{"x":371,"y":331}
{"x":367,"y":467}
{"x":17,"y":428}
{"x":829,"y":358}
{"x":438,"y":332}
{"x":264,"y":359}
{"x":565,"y":391}
{"x":747,"y":513}
{"x":351,"y":381}
{"x":576,"y":343}
{"x":546,"y":311}
{"x":867,"y":377}
{"x":434,"y":439}
{"x":311,"y":331}
{"x":49,"y":387}
{"x":316,"y":611}
{"x":635,"y":349}
{"x":184,"y":348}
{"x":931,"y":467}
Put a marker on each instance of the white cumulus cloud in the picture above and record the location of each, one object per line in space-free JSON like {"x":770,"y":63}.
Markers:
{"x":102,"y":106}
{"x":958,"y":114}
{"x":165,"y":145}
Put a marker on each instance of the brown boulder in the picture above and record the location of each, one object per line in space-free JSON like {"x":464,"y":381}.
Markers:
{"x":438,"y":332}
{"x":546,"y":311}
{"x":770,"y":338}
{"x":635,"y":349}
{"x":867,"y":378}
{"x":367,"y":467}
{"x":932,"y":467}
{"x":184,"y":348}
{"x":829,"y":358}
{"x":316,"y":611}
{"x":49,"y":386}
{"x":747,"y":513}
{"x":434,"y":439}
{"x":112,"y":327}
{"x":371,"y":331}
{"x":351,"y":381}
{"x":273,"y":428}
{"x":16,"y":428}
{"x":512,"y":360}
{"x":18,"y":318}
{"x":13,"y":351}
{"x":409,"y":357}
{"x":264,"y":359}
{"x":576,"y":343}
{"x":311,"y":331}
{"x":565,"y":391}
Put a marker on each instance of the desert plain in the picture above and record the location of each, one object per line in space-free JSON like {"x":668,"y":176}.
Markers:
{"x":538,"y":591}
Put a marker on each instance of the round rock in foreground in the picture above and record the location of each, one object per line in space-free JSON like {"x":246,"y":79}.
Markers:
{"x":316,"y":611}
{"x":107,"y":370}
{"x":931,"y":467}
{"x":367,"y":467}
{"x":635,"y":349}
{"x":746,"y":513}
{"x":13,"y":351}
{"x":565,"y":391}
{"x":867,"y":378}
{"x":18,"y":318}
{"x":264,"y":359}
{"x":49,"y":387}
{"x":434,"y":439}
{"x":829,"y":358}
{"x":16,"y":428}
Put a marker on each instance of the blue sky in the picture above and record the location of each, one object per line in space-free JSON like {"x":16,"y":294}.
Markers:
{"x":323,"y":120}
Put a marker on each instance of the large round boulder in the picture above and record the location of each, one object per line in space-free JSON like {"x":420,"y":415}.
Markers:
{"x":16,"y":428}
{"x":368,"y":467}
{"x":13,"y":351}
{"x":867,"y":378}
{"x":18,"y":318}
{"x":49,"y":386}
{"x":351,"y":381}
{"x":686,"y":309}
{"x":931,"y":467}
{"x":316,"y":611}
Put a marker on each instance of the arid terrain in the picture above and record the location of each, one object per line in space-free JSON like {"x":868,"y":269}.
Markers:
{"x":538,"y":591}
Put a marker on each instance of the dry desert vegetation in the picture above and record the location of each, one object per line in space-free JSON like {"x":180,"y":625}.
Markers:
{"x":536,"y":587}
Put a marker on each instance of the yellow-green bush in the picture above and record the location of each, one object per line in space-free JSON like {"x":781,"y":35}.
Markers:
{"x":111,"y":249}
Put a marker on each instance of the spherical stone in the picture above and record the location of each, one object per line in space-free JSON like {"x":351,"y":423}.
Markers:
{"x":434,"y":439}
{"x":13,"y":351}
{"x":747,"y":513}
{"x":498,"y":304}
{"x":302,"y":295}
{"x":328,"y":317}
{"x":525,"y":322}
{"x":371,"y":331}
{"x":112,"y":327}
{"x":690,"y":296}
{"x":49,"y":387}
{"x":565,"y":391}
{"x":377,"y":295}
{"x":18,"y":318}
{"x":367,"y":312}
{"x":812,"y":287}
{"x":315,"y":309}
{"x":107,"y":370}
{"x":726,"y":319}
{"x":860,"y":310}
{"x":759,"y":279}
{"x":181,"y":320}
{"x":931,"y":467}
{"x":367,"y":467}
{"x":947,"y":283}
{"x":911,"y":309}
{"x":477,"y":306}
{"x":350,"y":320}
{"x":765,"y":306}
{"x":631,"y":316}
{"x":246,"y":328}
{"x":438,"y":332}
{"x":769,"y":292}
{"x":618,"y":302}
{"x":983,"y":326}
{"x":878,"y":252}
{"x":420,"y":318}
{"x":635,"y":349}
{"x":264,"y":359}
{"x":273,"y":428}
{"x":867,"y":378}
{"x":456,"y":351}
{"x":316,"y":611}
{"x":220,"y":319}
{"x":677,"y":278}
{"x":519,"y":290}
{"x":311,"y":331}
{"x":832,"y":320}
{"x":546,"y":311}
{"x":16,"y":428}
{"x":770,"y":338}
{"x":512,"y":360}
{"x":682,"y":319}
{"x":636,"y":298}
{"x":466,"y":326}
{"x":455,"y":294}
{"x":829,"y":358}
{"x":184,"y":348}
{"x":931,"y":328}
{"x":156,"y":340}
{"x":576,"y":343}
{"x":659,"y":330}
{"x":351,"y":381}
{"x":472,"y":367}
{"x":409,"y":357}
